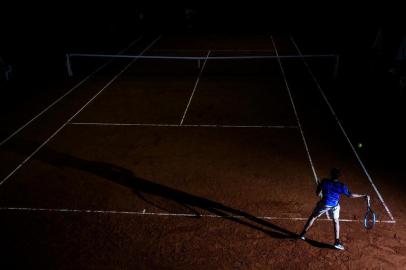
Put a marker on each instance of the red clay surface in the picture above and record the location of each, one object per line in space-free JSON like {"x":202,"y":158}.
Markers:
{"x":239,"y":175}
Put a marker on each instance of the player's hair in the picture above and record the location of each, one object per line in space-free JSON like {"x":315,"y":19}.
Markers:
{"x":335,"y":173}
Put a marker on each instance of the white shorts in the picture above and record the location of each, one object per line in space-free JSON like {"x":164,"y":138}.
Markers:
{"x":320,"y":209}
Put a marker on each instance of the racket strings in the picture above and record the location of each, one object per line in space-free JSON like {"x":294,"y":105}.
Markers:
{"x":370,"y":219}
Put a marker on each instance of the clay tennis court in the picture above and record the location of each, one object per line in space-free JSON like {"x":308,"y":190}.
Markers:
{"x":177,"y":164}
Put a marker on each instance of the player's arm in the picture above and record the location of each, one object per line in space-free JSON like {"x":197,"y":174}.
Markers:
{"x":319,"y":189}
{"x":319,"y":192}
{"x":355,"y":195}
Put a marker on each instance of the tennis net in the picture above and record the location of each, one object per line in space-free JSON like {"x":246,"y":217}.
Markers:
{"x":218,"y":64}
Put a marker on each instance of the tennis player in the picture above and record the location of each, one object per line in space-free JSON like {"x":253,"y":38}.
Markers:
{"x":330,"y":190}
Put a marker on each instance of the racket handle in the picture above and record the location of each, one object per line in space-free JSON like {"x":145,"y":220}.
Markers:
{"x":368,"y":198}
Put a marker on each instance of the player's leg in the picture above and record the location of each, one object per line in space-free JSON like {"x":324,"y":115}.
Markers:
{"x":336,"y":229}
{"x":318,"y":211}
{"x":308,"y":224}
{"x":336,"y":220}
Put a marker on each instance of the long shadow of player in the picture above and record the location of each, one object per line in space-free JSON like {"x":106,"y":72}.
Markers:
{"x":141,"y":186}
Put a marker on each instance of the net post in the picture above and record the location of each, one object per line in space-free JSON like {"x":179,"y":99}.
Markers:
{"x":68,"y":65}
{"x":198,"y":64}
{"x":8,"y":72}
{"x":336,"y":65}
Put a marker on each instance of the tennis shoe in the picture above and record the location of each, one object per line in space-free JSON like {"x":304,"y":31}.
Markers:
{"x":339,"y":245}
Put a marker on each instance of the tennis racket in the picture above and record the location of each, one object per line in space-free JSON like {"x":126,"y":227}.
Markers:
{"x":370,"y":218}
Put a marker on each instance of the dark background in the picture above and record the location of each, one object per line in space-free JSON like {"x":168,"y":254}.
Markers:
{"x":66,"y":25}
{"x":45,"y":33}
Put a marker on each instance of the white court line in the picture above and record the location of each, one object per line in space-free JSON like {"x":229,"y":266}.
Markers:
{"x":344,"y":132}
{"x":144,"y":213}
{"x":296,"y":115}
{"x":178,"y":125}
{"x":71,"y":118}
{"x":67,"y":93}
{"x":194,"y":89}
